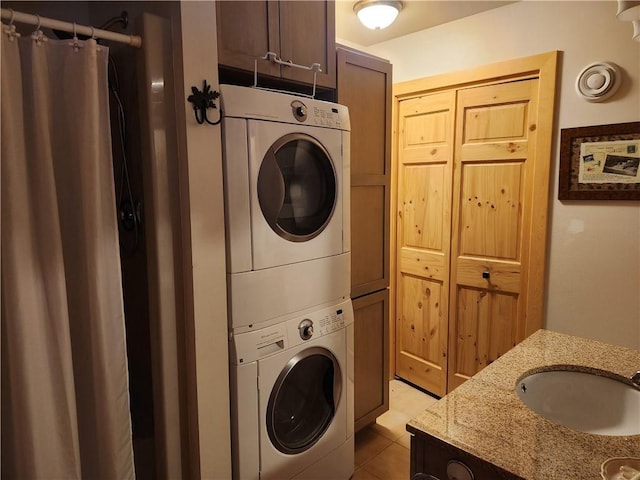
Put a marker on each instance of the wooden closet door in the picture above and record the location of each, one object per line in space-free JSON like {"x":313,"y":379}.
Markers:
{"x":425,"y":158}
{"x":493,"y":207}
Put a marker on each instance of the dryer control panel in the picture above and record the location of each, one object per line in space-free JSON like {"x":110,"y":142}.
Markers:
{"x":326,"y":116}
{"x":281,"y":107}
{"x":320,"y":114}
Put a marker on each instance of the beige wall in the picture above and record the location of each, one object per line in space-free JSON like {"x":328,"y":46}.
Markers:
{"x":594,"y":256}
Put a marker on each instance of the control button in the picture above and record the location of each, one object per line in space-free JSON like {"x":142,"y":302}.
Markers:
{"x":305,"y":329}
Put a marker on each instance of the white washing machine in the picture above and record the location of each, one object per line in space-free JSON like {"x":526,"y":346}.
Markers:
{"x":286,"y":173}
{"x":292,"y":397}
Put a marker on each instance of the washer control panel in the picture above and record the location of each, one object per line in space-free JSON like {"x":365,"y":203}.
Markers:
{"x":296,"y":329}
{"x":331,"y":322}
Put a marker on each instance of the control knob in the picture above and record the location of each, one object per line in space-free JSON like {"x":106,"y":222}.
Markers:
{"x":299,"y":110}
{"x":306,"y":329}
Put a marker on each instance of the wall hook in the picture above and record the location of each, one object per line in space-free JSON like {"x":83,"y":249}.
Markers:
{"x":202,"y":100}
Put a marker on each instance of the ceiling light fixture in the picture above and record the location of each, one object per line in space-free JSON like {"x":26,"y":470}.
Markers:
{"x":628,"y":10}
{"x":377,"y":14}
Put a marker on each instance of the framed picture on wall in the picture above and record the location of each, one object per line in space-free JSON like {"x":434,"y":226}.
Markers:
{"x":600,"y":162}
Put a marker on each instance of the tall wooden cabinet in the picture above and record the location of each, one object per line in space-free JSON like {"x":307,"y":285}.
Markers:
{"x":302,"y":32}
{"x":474,"y":155}
{"x":364,"y":85}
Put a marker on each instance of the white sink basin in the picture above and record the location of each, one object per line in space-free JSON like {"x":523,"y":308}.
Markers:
{"x":583,"y":401}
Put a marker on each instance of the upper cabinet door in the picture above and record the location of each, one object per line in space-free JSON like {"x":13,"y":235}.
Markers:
{"x":307,"y":36}
{"x":302,"y":32}
{"x":364,"y":85}
{"x":247,"y":30}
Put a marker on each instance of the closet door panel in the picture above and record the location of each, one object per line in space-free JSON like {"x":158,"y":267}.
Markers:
{"x":426,"y":127}
{"x":422,"y":263}
{"x":492,"y":211}
{"x":486,"y":329}
{"x":421,"y":333}
{"x":505,"y":276}
{"x":424,"y":188}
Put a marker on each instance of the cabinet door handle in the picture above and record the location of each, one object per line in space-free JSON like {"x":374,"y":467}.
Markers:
{"x":486,"y":275}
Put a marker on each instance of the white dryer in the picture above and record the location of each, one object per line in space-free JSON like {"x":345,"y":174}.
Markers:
{"x":286,"y":173}
{"x":292,"y":397}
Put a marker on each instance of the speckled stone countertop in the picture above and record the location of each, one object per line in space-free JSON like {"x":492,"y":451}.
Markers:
{"x":485,"y":417}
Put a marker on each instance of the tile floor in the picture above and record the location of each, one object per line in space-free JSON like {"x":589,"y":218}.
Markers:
{"x":382,"y":449}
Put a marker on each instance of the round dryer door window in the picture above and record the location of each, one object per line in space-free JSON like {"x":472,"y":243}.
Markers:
{"x":297,"y":187}
{"x":304,"y":400}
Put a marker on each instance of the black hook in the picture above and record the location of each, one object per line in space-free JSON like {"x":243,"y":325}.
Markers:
{"x":202,"y":100}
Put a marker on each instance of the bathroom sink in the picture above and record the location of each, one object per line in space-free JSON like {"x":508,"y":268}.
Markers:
{"x":583,"y":401}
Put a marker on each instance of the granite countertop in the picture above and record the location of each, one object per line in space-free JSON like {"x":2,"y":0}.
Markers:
{"x":485,"y":417}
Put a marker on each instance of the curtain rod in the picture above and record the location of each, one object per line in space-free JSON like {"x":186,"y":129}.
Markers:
{"x":12,"y":16}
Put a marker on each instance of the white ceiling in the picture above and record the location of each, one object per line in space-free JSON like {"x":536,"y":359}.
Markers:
{"x":416,"y":15}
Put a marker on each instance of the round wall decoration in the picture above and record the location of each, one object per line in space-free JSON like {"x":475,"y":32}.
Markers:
{"x":598,"y":81}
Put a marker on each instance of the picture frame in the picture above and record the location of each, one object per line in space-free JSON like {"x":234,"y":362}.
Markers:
{"x":600,"y":162}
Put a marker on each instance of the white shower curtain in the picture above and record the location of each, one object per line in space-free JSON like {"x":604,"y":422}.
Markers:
{"x":65,"y":399}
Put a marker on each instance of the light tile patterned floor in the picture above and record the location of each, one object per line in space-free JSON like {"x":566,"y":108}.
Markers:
{"x":382,"y":449}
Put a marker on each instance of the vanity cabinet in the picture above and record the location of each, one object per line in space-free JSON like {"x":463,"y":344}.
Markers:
{"x":364,"y":85}
{"x":431,"y":456}
{"x":302,"y":32}
{"x":485,"y":425}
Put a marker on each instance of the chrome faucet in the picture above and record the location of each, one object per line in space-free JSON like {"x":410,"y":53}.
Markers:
{"x":635,"y":379}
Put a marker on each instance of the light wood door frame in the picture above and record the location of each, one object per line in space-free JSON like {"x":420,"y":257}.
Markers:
{"x":542,"y":66}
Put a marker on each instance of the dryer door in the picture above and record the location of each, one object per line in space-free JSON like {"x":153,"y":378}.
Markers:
{"x":304,"y":400}
{"x":297,"y":190}
{"x":297,"y":187}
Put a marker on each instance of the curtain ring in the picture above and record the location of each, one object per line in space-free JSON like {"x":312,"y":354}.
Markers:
{"x":93,"y":33}
{"x":11,"y":19}
{"x":74,"y":31}
{"x":39,"y":23}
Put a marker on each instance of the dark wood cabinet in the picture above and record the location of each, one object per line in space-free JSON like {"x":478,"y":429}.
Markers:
{"x":364,"y":85}
{"x":371,"y":357}
{"x":431,"y":456}
{"x":302,"y":32}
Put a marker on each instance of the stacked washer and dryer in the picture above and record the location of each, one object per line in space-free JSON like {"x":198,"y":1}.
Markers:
{"x":286,"y":171}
